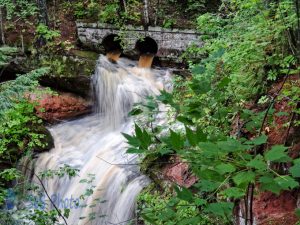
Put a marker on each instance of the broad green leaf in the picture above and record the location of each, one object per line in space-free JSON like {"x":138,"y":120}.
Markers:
{"x":200,"y":201}
{"x":286,"y":182}
{"x":244,"y":178}
{"x":135,"y":112}
{"x":184,"y":193}
{"x":231,"y":145}
{"x":295,"y":170}
{"x":277,"y":154}
{"x":207,"y":186}
{"x":258,"y":163}
{"x":209,"y":148}
{"x":191,"y":136}
{"x":189,"y":221}
{"x":233,"y":192}
{"x":225,"y":168}
{"x":176,"y":140}
{"x":267,"y":183}
{"x":224,"y":82}
{"x":185,"y":120}
{"x":259,"y":140}
{"x":200,"y":87}
{"x":223,"y":209}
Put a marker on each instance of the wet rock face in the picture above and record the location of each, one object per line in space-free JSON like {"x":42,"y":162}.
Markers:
{"x":55,"y":108}
{"x":269,"y":208}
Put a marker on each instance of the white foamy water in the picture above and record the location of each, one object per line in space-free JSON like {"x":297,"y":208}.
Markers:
{"x":95,"y":146}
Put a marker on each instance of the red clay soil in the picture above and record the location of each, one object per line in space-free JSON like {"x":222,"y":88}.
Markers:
{"x":270,"y":209}
{"x":179,"y":173}
{"x":54,"y":108}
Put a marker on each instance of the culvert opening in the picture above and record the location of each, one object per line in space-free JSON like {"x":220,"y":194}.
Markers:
{"x":147,"y":49}
{"x":112,"y":47}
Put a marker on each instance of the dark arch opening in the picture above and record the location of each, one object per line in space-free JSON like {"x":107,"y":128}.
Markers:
{"x":112,"y":43}
{"x":146,"y":46}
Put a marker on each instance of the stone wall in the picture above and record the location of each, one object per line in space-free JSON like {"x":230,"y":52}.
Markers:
{"x":171,"y":42}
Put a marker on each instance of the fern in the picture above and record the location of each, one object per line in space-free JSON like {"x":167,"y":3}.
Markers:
{"x":14,"y":91}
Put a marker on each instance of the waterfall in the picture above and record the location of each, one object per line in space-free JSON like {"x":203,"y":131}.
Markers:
{"x":94,"y":145}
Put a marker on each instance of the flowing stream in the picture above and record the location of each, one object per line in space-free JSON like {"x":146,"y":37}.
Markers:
{"x":94,"y":145}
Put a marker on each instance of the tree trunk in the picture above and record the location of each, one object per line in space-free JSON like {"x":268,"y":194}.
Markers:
{"x":43,"y":13}
{"x":1,"y":27}
{"x":146,"y":13}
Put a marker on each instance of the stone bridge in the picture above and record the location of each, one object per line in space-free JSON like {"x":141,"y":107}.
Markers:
{"x":167,"y":44}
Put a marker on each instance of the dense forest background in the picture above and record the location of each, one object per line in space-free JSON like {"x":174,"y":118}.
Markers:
{"x":238,"y":107}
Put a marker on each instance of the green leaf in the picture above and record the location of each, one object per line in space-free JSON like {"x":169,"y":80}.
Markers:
{"x":225,"y":168}
{"x":297,"y":212}
{"x":259,"y":140}
{"x":189,"y":221}
{"x":258,"y":163}
{"x":200,"y":201}
{"x":209,"y":148}
{"x":131,"y":140}
{"x":135,"y":151}
{"x":207,"y":185}
{"x":267,"y":183}
{"x":295,"y":170}
{"x":223,"y":209}
{"x":233,"y":192}
{"x":135,"y":112}
{"x":224,"y":82}
{"x":185,"y":120}
{"x":191,"y":136}
{"x":176,"y":140}
{"x":184,"y":194}
{"x":277,"y":154}
{"x":286,"y":182}
{"x":231,"y":145}
{"x":244,"y":178}
{"x":200,"y":86}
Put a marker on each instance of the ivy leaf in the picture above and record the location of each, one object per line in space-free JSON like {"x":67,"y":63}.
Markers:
{"x":258,"y":163}
{"x":244,"y":178}
{"x":277,"y":154}
{"x":225,"y":168}
{"x":233,"y":192}
{"x":286,"y":182}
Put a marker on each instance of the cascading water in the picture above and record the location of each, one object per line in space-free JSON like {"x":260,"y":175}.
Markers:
{"x":96,"y":147}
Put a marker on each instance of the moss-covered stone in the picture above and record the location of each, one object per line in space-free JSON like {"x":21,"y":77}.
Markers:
{"x":70,"y":72}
